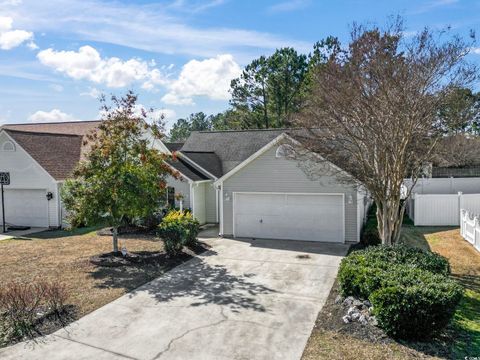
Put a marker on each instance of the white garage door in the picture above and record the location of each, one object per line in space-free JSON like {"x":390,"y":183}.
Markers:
{"x":26,"y":207}
{"x":313,"y":217}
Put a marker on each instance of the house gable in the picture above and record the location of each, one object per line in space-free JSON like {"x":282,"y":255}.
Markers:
{"x":269,"y":173}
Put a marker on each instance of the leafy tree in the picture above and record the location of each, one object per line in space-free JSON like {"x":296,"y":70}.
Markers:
{"x":268,"y":91}
{"x":250,"y":93}
{"x":373,"y":111}
{"x":461,"y":112}
{"x":183,"y":127}
{"x":122,"y":176}
{"x":288,"y":71}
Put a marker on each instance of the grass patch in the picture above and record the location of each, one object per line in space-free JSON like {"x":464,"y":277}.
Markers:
{"x":465,"y":264}
{"x":66,"y":259}
{"x":330,"y":340}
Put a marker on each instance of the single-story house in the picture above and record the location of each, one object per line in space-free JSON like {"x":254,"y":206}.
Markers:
{"x":242,"y":180}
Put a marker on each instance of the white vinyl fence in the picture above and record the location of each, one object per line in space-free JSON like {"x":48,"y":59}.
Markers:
{"x":441,"y":209}
{"x":470,"y":228}
{"x":445,"y":185}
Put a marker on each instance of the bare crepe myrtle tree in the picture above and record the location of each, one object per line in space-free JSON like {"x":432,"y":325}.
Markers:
{"x":373,"y":105}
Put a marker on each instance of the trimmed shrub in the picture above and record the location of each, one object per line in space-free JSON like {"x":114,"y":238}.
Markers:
{"x":178,"y":229}
{"x":362,"y":271}
{"x":381,"y":273}
{"x":416,"y":311}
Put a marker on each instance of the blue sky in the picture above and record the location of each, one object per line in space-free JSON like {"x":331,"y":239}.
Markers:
{"x":57,"y":56}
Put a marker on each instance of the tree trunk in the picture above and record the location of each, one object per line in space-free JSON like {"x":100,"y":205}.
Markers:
{"x":115,"y":239}
{"x":390,"y":220}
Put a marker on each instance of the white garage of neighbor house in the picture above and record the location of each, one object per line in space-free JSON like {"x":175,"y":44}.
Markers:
{"x":38,"y":162}
{"x":261,"y":193}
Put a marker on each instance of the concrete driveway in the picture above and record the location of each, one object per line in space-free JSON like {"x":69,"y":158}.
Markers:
{"x":244,"y":299}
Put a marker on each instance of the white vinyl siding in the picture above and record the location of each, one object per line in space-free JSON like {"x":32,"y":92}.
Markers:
{"x":198,"y":200}
{"x":27,"y":176}
{"x":270,"y":174}
{"x":210,"y":203}
{"x":181,"y":186}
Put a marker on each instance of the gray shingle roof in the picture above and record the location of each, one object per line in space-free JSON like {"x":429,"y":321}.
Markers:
{"x":206,"y":160}
{"x":231,"y":147}
{"x":173,"y":146}
{"x":186,"y":169}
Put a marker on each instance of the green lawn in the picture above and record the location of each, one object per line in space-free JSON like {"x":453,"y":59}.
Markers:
{"x":462,"y":338}
{"x":465,"y":263}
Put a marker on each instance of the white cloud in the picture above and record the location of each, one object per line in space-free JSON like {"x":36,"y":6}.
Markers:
{"x":476,"y":50}
{"x":87,"y":64}
{"x":432,"y":5}
{"x":154,"y":27}
{"x":54,"y":115}
{"x":92,"y":92}
{"x":9,"y":37}
{"x":210,"y":78}
{"x":287,"y":6}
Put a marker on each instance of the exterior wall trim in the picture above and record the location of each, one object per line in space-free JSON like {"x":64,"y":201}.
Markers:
{"x":29,"y":156}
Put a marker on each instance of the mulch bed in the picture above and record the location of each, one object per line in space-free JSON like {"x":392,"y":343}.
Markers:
{"x":146,"y":258}
{"x":330,"y":319}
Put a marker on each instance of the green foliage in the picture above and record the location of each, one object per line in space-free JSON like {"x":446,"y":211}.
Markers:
{"x":418,"y":310}
{"x":269,"y":90}
{"x":370,"y":234}
{"x":183,"y":127}
{"x":405,"y":285}
{"x":460,"y":112}
{"x":122,"y":176}
{"x":178,"y":229}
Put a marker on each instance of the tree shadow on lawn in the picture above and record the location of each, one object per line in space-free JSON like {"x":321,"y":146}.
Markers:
{"x":203,"y":283}
{"x":416,"y":235}
{"x":61,"y":233}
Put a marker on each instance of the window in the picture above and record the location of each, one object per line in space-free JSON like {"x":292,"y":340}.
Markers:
{"x":283,"y":151}
{"x":171,"y":197}
{"x":8,"y":146}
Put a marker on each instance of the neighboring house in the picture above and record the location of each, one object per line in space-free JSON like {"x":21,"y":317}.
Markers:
{"x":39,"y":157}
{"x":242,"y":180}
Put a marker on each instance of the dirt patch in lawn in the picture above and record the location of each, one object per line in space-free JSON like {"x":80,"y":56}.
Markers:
{"x":69,"y":258}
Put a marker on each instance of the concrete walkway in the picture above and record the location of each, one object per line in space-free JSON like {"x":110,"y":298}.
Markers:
{"x":254,"y":299}
{"x":13,"y":234}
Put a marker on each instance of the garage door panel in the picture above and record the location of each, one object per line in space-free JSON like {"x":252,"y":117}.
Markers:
{"x":26,"y":207}
{"x":314,"y":217}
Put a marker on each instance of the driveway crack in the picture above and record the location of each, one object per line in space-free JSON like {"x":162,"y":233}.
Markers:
{"x":169,"y":345}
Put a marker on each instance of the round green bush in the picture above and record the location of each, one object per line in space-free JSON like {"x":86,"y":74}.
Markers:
{"x":409,"y":288}
{"x":416,"y":311}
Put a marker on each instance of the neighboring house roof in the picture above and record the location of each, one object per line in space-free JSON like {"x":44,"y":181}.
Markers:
{"x":173,"y":146}
{"x":71,"y":127}
{"x":208,"y":161}
{"x":187,"y":170}
{"x":232,"y":147}
{"x":58,"y":154}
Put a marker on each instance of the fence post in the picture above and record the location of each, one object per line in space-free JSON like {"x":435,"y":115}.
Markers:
{"x":415,"y":197}
{"x":460,"y":203}
{"x":475,"y":225}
